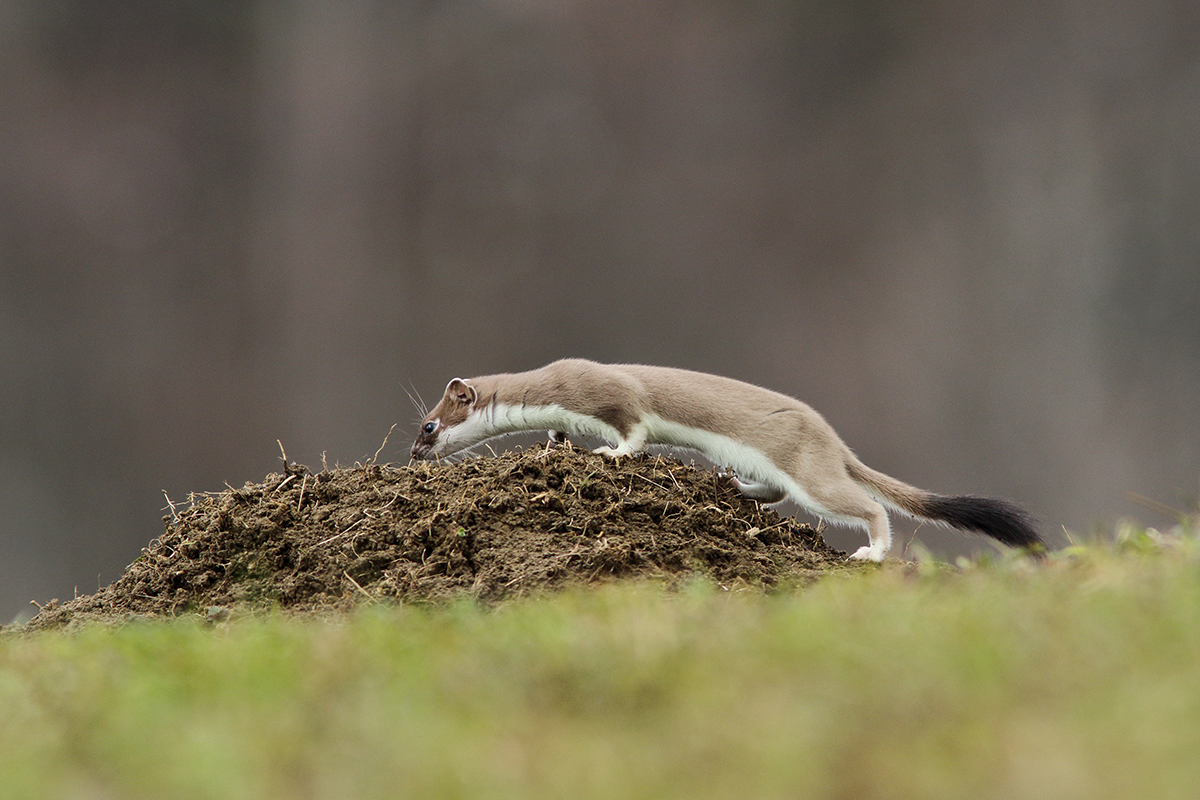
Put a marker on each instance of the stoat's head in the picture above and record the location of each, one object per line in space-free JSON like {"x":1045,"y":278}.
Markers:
{"x":442,"y":431}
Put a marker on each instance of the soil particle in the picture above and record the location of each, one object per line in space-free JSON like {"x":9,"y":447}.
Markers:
{"x":488,"y":528}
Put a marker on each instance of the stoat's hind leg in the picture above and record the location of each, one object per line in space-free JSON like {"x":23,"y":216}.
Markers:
{"x":847,"y":503}
{"x":762,"y":492}
{"x":880,"y":533}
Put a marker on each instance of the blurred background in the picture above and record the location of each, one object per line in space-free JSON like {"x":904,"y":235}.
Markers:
{"x":965,"y":232}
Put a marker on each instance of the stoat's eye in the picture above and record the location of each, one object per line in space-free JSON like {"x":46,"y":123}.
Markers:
{"x":430,"y":427}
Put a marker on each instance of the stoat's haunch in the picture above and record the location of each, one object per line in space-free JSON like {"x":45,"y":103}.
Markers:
{"x":778,"y":447}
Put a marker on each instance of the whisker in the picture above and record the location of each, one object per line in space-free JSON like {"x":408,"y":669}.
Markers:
{"x":421,"y":400}
{"x":416,"y":400}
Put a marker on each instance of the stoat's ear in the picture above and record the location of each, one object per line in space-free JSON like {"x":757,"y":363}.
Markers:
{"x":461,"y":392}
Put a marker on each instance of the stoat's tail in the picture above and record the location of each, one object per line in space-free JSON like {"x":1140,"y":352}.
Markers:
{"x":998,"y":519}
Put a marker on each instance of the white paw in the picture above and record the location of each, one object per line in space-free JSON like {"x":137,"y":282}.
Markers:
{"x":761,"y":492}
{"x":868,"y":554}
{"x":613,"y":452}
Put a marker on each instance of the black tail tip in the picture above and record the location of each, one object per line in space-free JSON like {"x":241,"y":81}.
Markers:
{"x":1006,"y":523}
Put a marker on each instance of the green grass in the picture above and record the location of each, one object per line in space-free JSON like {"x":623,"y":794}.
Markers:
{"x":1000,"y":679}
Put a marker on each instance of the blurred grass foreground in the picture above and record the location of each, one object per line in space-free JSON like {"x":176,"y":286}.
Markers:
{"x":1078,"y":677}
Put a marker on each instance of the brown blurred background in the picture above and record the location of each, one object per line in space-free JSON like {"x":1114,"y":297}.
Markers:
{"x":965,"y":232}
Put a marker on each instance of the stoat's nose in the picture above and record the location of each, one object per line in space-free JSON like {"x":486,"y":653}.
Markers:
{"x":419,"y":450}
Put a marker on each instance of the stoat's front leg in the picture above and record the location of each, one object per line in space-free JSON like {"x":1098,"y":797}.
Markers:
{"x":762,"y":492}
{"x":557,"y":440}
{"x":627,"y":445}
{"x":622,"y":449}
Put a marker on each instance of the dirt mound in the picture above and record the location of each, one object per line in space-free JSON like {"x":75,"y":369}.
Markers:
{"x":489,"y":528}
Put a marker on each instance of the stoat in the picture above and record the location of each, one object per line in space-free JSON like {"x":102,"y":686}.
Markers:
{"x":777,"y":447}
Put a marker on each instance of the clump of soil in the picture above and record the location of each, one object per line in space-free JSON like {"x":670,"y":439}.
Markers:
{"x":489,"y":528}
